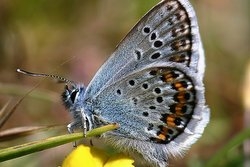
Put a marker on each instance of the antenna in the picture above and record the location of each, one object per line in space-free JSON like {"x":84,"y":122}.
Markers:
{"x":59,"y":78}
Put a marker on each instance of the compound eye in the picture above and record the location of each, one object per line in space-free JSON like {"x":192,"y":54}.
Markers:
{"x":74,"y":95}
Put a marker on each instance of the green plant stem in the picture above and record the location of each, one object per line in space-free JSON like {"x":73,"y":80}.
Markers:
{"x":234,"y":142}
{"x":32,"y":147}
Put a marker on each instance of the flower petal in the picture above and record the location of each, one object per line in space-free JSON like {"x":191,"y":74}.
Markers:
{"x":85,"y":156}
{"x":119,"y":160}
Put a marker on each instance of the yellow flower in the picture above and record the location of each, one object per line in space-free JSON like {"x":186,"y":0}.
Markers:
{"x":84,"y":156}
{"x":119,"y":160}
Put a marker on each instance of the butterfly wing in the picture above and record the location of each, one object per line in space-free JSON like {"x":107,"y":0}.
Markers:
{"x":168,"y":32}
{"x":152,"y":86}
{"x":160,"y":108}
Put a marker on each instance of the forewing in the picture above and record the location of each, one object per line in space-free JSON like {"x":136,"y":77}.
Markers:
{"x":168,"y":32}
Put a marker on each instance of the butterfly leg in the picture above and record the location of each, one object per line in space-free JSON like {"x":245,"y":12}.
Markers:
{"x":71,"y":128}
{"x":84,"y":123}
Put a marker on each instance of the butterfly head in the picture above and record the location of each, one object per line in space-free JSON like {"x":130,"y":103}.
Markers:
{"x":73,"y":95}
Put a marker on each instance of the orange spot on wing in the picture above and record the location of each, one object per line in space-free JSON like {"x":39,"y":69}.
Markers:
{"x":181,"y":97}
{"x":178,"y":86}
{"x":170,"y":121}
{"x":168,"y":77}
{"x":162,"y":137}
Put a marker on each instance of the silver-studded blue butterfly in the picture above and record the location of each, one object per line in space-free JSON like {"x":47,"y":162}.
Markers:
{"x":152,"y":86}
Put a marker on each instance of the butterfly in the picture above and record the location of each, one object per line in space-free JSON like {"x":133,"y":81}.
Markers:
{"x":152,"y":86}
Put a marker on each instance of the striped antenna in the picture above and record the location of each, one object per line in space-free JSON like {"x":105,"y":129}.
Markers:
{"x":59,"y":78}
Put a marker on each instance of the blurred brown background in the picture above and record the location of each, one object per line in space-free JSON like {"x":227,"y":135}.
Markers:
{"x":41,"y":35}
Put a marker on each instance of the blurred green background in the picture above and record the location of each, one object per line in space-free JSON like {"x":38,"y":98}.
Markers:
{"x":73,"y":38}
